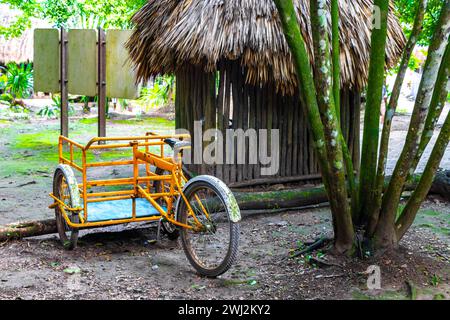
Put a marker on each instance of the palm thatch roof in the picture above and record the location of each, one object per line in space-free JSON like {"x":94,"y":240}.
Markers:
{"x":171,"y":33}
{"x":18,"y":49}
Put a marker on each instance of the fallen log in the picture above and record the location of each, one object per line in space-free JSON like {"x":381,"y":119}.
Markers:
{"x":441,"y":184}
{"x":281,"y":199}
{"x":272,"y":201}
{"x":20,"y":230}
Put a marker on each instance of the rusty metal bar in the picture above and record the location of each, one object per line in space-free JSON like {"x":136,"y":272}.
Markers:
{"x":101,"y":83}
{"x":63,"y":84}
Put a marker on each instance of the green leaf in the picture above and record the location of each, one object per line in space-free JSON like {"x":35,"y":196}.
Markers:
{"x":72,"y":270}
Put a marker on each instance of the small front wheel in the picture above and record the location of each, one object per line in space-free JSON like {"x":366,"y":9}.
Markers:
{"x":211,"y":245}
{"x":65,"y":189}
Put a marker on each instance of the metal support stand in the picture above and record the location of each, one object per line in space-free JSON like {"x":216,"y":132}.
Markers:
{"x":63,"y":84}
{"x":101,"y":83}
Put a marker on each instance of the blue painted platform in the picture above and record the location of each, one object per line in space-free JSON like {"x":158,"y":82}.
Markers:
{"x":120,"y":209}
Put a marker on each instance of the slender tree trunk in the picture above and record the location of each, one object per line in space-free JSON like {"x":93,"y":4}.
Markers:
{"x":390,"y":111}
{"x":372,"y":112}
{"x":336,"y":56}
{"x":436,"y":106}
{"x":412,"y":206}
{"x":336,"y":53}
{"x":333,"y":137}
{"x":304,"y":76}
{"x":305,"y":82}
{"x":391,"y":197}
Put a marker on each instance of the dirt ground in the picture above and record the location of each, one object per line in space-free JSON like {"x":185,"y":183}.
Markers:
{"x":129,"y":265}
{"x":126,"y":262}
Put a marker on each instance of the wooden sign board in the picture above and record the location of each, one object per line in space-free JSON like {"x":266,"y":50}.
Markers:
{"x":120,"y":77}
{"x":46,"y":60}
{"x":82,"y":62}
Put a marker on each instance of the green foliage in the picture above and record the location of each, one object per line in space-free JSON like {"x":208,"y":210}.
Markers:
{"x":123,"y":103}
{"x":54,"y":110}
{"x":22,"y":22}
{"x":72,"y":13}
{"x":19,"y":80}
{"x":414,"y":63}
{"x":436,"y":280}
{"x":161,"y":93}
{"x":51,"y":111}
{"x":3,"y":80}
{"x":406,"y":10}
{"x":6,"y":99}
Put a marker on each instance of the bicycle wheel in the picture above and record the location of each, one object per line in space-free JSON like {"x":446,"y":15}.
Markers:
{"x":168,"y":228}
{"x":212,"y":246}
{"x":65,"y":188}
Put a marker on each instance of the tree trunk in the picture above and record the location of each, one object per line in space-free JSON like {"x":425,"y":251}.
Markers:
{"x":306,"y":84}
{"x":402,"y":170}
{"x":437,"y":104}
{"x":390,"y":112}
{"x":344,"y":234}
{"x":412,"y":206}
{"x":372,"y":113}
{"x":336,"y":56}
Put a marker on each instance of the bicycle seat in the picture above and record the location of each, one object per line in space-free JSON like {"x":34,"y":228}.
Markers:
{"x":171,"y":142}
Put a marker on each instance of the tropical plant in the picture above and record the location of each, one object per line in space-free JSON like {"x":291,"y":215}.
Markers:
{"x":3,"y":80}
{"x":6,"y":99}
{"x":414,"y":63}
{"x":19,"y":79}
{"x":162,"y":92}
{"x":15,"y":106}
{"x":50,"y":111}
{"x":124,"y":103}
{"x":85,"y":100}
{"x":369,"y":222}
{"x":406,"y":10}
{"x":72,"y":14}
{"x":54,"y":110}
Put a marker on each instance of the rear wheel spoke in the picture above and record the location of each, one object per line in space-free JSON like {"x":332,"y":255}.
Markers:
{"x":211,"y":248}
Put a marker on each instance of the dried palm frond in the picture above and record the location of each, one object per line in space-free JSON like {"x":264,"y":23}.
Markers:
{"x":171,"y":33}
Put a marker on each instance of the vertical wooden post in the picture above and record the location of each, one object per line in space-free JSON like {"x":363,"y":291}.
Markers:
{"x":356,"y":114}
{"x":64,"y":130}
{"x":101,"y":62}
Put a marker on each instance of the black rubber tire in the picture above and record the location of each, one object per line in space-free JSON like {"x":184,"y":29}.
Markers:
{"x":230,"y":258}
{"x":169,"y":229}
{"x":69,"y":242}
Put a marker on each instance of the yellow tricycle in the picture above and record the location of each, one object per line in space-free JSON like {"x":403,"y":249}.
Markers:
{"x":201,"y":211}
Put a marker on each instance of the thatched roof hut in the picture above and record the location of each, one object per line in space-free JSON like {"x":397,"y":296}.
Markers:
{"x":242,"y":40}
{"x":18,"y":49}
{"x":171,"y":32}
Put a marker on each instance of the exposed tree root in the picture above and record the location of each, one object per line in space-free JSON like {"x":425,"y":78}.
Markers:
{"x":316,"y":245}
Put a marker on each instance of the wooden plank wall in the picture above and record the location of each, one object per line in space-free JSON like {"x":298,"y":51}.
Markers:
{"x":234,"y":104}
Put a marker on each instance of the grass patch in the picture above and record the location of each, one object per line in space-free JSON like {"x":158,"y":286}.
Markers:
{"x":386,"y":295}
{"x":28,"y":149}
{"x":88,"y":120}
{"x":114,"y":154}
{"x":151,"y":123}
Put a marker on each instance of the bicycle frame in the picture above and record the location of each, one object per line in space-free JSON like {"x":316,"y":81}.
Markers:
{"x":175,"y":178}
